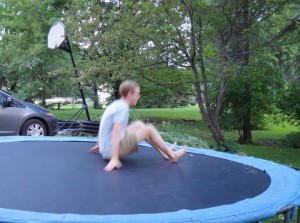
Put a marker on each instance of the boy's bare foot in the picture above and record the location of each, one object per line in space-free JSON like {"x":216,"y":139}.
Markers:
{"x":95,"y":149}
{"x":179,"y":153}
{"x":173,"y":147}
{"x":163,"y":155}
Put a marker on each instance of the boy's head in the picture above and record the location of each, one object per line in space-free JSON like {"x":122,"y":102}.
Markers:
{"x":130,"y":90}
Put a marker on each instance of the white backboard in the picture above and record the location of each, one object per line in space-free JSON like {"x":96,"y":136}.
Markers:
{"x":56,"y":35}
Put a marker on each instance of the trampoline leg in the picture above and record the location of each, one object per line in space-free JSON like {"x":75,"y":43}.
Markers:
{"x":287,"y":216}
{"x":298,"y":217}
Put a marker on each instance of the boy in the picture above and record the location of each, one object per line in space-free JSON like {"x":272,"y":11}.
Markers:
{"x":117,"y":140}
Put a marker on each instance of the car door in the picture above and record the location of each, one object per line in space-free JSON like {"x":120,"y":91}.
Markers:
{"x":9,"y":117}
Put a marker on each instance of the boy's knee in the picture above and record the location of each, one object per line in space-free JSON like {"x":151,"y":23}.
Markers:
{"x":150,"y":127}
{"x":136,"y":126}
{"x":140,"y":124}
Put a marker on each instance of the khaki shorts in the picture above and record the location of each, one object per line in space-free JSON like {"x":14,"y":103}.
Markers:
{"x":128,"y":144}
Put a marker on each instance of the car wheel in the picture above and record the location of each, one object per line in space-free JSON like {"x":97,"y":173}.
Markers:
{"x":34,"y":127}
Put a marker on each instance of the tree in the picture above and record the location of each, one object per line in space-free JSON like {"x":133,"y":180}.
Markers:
{"x":99,"y":46}
{"x":257,"y":31}
{"x":28,"y":67}
{"x":286,"y":46}
{"x":289,"y":104}
{"x":112,"y":51}
{"x":159,"y":42}
{"x":232,"y":55}
{"x":183,"y":37}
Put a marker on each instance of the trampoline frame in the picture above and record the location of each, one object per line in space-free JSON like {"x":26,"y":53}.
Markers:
{"x":282,"y":195}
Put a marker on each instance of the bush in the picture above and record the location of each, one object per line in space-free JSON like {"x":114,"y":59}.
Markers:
{"x":293,"y":140}
{"x":173,"y":133}
{"x":230,"y":147}
{"x":184,"y":139}
{"x":289,"y":104}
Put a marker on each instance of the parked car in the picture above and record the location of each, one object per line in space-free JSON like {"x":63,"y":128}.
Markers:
{"x":18,"y":117}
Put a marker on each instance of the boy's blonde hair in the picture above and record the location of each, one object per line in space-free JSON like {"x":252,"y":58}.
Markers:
{"x":126,"y":87}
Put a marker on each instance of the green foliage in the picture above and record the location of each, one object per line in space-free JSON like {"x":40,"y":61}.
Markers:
{"x":260,"y":86}
{"x":261,"y":47}
{"x":175,"y":49}
{"x":230,"y":147}
{"x":173,"y":133}
{"x":293,"y":140}
{"x":106,"y":49}
{"x":28,"y":68}
{"x":167,"y":88}
{"x":289,"y":104}
{"x":115,"y":44}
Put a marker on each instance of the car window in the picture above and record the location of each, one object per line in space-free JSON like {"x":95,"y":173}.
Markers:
{"x":15,"y":103}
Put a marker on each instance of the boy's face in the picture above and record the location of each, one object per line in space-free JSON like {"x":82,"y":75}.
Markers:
{"x":134,"y":96}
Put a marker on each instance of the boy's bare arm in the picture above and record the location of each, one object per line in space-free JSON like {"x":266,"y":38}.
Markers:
{"x":114,"y":161}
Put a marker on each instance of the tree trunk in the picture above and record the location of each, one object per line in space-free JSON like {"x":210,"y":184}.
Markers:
{"x":116,"y":86}
{"x":1,"y":82}
{"x":247,"y":131}
{"x":241,"y":55}
{"x":209,"y":117}
{"x":209,"y":113}
{"x":43,"y":99}
{"x":247,"y":123}
{"x":211,"y":122}
{"x":96,"y":100}
{"x":246,"y":136}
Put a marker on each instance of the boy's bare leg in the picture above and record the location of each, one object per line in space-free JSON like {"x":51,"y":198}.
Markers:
{"x":157,"y":146}
{"x":172,"y":147}
{"x":138,"y":126}
{"x":150,"y":134}
{"x":155,"y":138}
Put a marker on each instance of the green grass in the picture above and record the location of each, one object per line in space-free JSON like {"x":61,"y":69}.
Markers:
{"x":67,"y":112}
{"x":275,"y":131}
{"x":286,"y":156}
{"x":190,"y":113}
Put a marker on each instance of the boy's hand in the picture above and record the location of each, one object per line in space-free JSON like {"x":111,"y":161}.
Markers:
{"x":113,"y":163}
{"x":95,"y":149}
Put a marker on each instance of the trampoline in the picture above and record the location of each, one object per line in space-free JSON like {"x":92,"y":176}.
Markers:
{"x":56,"y":179}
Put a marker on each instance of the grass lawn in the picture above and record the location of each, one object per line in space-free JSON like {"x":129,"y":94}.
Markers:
{"x":285,"y":156}
{"x":67,"y":111}
{"x":190,"y":113}
{"x":187,"y":121}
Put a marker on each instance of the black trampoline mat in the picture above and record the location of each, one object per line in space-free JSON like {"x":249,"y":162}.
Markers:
{"x":63,"y":177}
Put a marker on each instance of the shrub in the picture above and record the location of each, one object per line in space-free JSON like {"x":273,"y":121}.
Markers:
{"x":293,"y":140}
{"x":230,"y":147}
{"x":184,"y":139}
{"x":173,"y":133}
